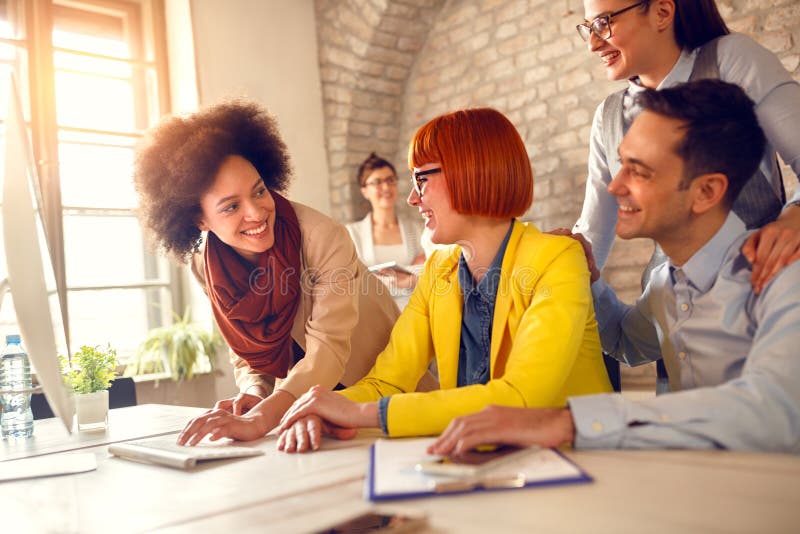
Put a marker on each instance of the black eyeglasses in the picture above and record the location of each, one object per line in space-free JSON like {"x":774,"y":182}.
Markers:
{"x":377,"y":182}
{"x":418,"y":182}
{"x":601,"y":26}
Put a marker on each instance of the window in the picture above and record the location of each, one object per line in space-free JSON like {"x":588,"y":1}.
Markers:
{"x":93,"y":78}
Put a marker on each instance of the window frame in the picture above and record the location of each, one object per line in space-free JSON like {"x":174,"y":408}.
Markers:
{"x":144,"y":22}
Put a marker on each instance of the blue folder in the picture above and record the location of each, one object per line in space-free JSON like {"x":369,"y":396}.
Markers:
{"x":489,"y":482}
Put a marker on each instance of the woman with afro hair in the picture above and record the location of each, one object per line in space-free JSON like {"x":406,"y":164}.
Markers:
{"x":287,"y":290}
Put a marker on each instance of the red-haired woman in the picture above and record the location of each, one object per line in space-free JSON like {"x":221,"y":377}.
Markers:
{"x":506,"y":311}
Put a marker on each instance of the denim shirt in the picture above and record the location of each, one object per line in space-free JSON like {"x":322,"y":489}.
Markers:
{"x":476,"y":318}
{"x":476,"y":325}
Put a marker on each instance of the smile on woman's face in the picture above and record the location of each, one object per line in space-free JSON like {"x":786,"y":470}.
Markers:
{"x":380,"y":188}
{"x":626,"y":53}
{"x":446,"y":225}
{"x":239,"y":209}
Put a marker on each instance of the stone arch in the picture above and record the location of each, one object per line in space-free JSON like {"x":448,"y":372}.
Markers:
{"x":366,"y":52}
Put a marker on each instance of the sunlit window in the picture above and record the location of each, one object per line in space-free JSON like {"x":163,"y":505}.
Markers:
{"x":105,"y":63}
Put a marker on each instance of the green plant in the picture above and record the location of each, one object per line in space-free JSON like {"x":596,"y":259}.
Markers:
{"x":181,"y":349}
{"x":91,"y":369}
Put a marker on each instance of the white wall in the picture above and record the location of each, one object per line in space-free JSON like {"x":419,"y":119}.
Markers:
{"x":267,"y":50}
{"x":264,"y":50}
{"x":180,"y":54}
{"x":200,"y":391}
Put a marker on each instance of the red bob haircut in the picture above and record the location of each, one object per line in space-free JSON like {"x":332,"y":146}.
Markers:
{"x":483,"y":159}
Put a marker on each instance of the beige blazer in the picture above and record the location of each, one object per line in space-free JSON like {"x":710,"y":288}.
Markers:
{"x":345,"y":314}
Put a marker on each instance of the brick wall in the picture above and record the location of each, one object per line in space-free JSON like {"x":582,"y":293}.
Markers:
{"x":389,"y":66}
{"x":366,"y":52}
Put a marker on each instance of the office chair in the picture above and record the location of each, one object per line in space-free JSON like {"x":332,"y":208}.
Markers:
{"x":121,"y":393}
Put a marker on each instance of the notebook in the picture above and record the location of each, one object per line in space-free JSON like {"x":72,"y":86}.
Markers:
{"x":393,"y":473}
{"x":164,"y":451}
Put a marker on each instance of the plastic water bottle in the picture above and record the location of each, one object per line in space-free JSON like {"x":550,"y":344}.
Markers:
{"x":16,"y":420}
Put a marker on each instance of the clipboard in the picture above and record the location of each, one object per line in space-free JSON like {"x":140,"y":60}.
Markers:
{"x":391,"y":473}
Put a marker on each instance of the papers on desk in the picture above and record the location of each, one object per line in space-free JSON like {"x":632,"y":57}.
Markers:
{"x":166,"y":452}
{"x":392,"y":473}
{"x":50,"y":465}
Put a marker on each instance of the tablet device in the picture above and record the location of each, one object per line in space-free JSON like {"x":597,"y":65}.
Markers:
{"x":388,"y":265}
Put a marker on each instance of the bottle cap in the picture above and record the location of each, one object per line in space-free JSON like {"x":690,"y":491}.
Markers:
{"x":12,"y":338}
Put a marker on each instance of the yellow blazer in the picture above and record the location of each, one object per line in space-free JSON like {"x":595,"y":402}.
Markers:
{"x":545,"y":346}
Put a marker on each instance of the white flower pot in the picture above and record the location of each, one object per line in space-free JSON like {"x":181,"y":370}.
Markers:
{"x":92,"y":410}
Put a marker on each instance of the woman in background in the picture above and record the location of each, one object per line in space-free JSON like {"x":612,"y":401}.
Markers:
{"x":506,"y":312}
{"x":289,"y":295}
{"x":382,"y":236}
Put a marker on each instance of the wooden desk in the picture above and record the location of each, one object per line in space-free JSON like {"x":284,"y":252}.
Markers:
{"x":634,"y":491}
{"x":146,"y":420}
{"x":122,"y":496}
{"x":653,"y":491}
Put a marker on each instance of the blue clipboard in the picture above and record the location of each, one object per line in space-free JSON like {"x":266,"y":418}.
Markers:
{"x":453,"y":486}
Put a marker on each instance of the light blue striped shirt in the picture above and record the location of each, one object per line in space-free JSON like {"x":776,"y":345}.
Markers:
{"x":733,"y":356}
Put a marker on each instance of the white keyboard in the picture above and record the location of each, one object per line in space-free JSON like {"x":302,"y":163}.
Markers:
{"x":165,"y":451}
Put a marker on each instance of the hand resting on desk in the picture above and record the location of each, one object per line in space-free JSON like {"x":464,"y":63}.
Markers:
{"x":323,"y":412}
{"x":221,"y":423}
{"x":504,"y":425}
{"x":305,"y":434}
{"x":218,"y":424}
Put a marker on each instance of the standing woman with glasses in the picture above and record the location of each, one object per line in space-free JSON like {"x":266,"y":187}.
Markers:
{"x":383,"y":236}
{"x":658,"y":44}
{"x":506,"y":312}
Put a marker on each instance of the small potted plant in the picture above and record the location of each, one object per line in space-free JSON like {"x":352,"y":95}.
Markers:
{"x":89,"y":374}
{"x":180,"y":349}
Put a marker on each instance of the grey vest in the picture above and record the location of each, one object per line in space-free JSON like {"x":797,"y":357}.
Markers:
{"x":757,"y":203}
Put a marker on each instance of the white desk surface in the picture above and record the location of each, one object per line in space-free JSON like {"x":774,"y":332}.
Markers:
{"x":50,"y":436}
{"x":652,"y":491}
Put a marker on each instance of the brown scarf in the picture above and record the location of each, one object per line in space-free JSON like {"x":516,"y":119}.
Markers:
{"x":255,"y":306}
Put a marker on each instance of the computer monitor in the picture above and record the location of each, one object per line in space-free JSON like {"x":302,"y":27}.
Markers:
{"x":30,"y":276}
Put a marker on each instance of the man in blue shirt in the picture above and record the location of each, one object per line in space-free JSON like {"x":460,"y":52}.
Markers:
{"x":732,"y":356}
